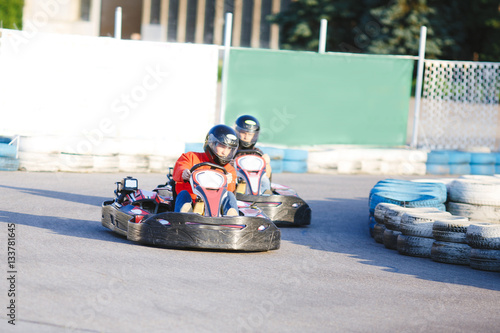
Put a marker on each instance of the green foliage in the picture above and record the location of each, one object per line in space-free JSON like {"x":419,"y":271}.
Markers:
{"x":300,"y":23}
{"x":456,"y":30}
{"x":11,"y":14}
{"x":400,"y":30}
{"x":483,"y":27}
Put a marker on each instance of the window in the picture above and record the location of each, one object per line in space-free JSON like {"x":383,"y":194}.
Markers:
{"x":154,"y":17}
{"x":85,"y":10}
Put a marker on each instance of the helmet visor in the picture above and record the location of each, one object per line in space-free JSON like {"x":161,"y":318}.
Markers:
{"x":247,"y":138}
{"x":223,"y":151}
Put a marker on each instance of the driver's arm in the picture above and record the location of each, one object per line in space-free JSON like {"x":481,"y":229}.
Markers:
{"x":268,"y":165}
{"x":231,"y":178}
{"x":184,"y":163}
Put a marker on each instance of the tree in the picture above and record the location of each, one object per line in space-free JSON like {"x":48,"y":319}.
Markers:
{"x":11,"y":14}
{"x":483,"y":30}
{"x":301,"y":21}
{"x":456,"y":30}
{"x":400,"y":30}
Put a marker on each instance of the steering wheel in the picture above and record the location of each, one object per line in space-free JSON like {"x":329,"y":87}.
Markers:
{"x":211,"y":165}
{"x":249,"y":151}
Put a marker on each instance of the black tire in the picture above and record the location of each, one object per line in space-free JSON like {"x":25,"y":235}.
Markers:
{"x":378,"y":232}
{"x":390,"y":239}
{"x":381,"y":209}
{"x":484,"y":235}
{"x":451,"y":229}
{"x":392,"y":217}
{"x":419,"y":224}
{"x":485,"y":260}
{"x":450,"y":253}
{"x":414,"y":246}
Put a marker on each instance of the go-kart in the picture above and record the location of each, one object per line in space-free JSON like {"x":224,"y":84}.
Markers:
{"x":282,"y":205}
{"x":148,"y":217}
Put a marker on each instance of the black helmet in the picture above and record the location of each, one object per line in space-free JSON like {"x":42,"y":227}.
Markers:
{"x":221,"y":136}
{"x":247,"y":124}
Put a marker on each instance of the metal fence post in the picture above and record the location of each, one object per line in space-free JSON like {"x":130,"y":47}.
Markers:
{"x":227,"y":46}
{"x":322,"y":36}
{"x":118,"y":23}
{"x":418,"y":88}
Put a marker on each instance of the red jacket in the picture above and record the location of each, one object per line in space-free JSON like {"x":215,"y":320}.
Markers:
{"x":187,"y":161}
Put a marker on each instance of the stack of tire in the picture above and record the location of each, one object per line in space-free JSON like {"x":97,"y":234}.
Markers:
{"x":459,"y":162}
{"x":450,"y":162}
{"x":438,"y":162}
{"x":276,"y":155}
{"x":8,"y":155}
{"x":472,"y":239}
{"x":406,"y":194}
{"x":39,"y":153}
{"x":484,"y":240}
{"x":416,"y":237}
{"x":478,"y":199}
{"x":372,"y":161}
{"x":497,"y":163}
{"x":444,"y":162}
{"x":482,"y":164}
{"x":295,"y":160}
{"x":407,"y":230}
{"x":475,"y":197}
{"x":450,"y":244}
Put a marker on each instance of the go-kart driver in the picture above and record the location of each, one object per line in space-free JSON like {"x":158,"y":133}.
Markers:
{"x":221,"y":144}
{"x":248,"y":129}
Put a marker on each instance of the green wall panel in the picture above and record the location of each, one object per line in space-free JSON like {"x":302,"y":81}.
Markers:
{"x":305,"y":98}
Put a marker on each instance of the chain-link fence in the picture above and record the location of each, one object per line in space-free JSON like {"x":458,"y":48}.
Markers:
{"x":460,"y":105}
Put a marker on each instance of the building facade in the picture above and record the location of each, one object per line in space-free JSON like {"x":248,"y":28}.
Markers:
{"x":183,"y":21}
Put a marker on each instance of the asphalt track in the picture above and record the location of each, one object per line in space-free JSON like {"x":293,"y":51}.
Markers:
{"x":73,"y":275}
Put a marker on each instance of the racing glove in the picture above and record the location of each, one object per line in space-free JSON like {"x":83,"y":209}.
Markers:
{"x":186,"y":174}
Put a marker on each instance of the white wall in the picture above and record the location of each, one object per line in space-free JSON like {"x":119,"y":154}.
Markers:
{"x":87,"y":91}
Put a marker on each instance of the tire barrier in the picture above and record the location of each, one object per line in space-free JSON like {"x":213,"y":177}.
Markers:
{"x":467,"y":234}
{"x":295,"y":160}
{"x":438,"y":157}
{"x":373,"y":161}
{"x":9,"y":154}
{"x":277,"y":166}
{"x":449,"y":162}
{"x":193,"y":146}
{"x":9,"y":163}
{"x":416,"y":233}
{"x":404,"y":194}
{"x":105,"y":154}
{"x":438,"y":169}
{"x":276,"y":155}
{"x":476,"y":191}
{"x":497,"y":163}
{"x":484,"y":239}
{"x":408,"y":193}
{"x":295,"y":166}
{"x":451,"y":245}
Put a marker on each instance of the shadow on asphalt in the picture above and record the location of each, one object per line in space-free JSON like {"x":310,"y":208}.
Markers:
{"x":78,"y":198}
{"x":341,"y":226}
{"x":89,"y":229}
